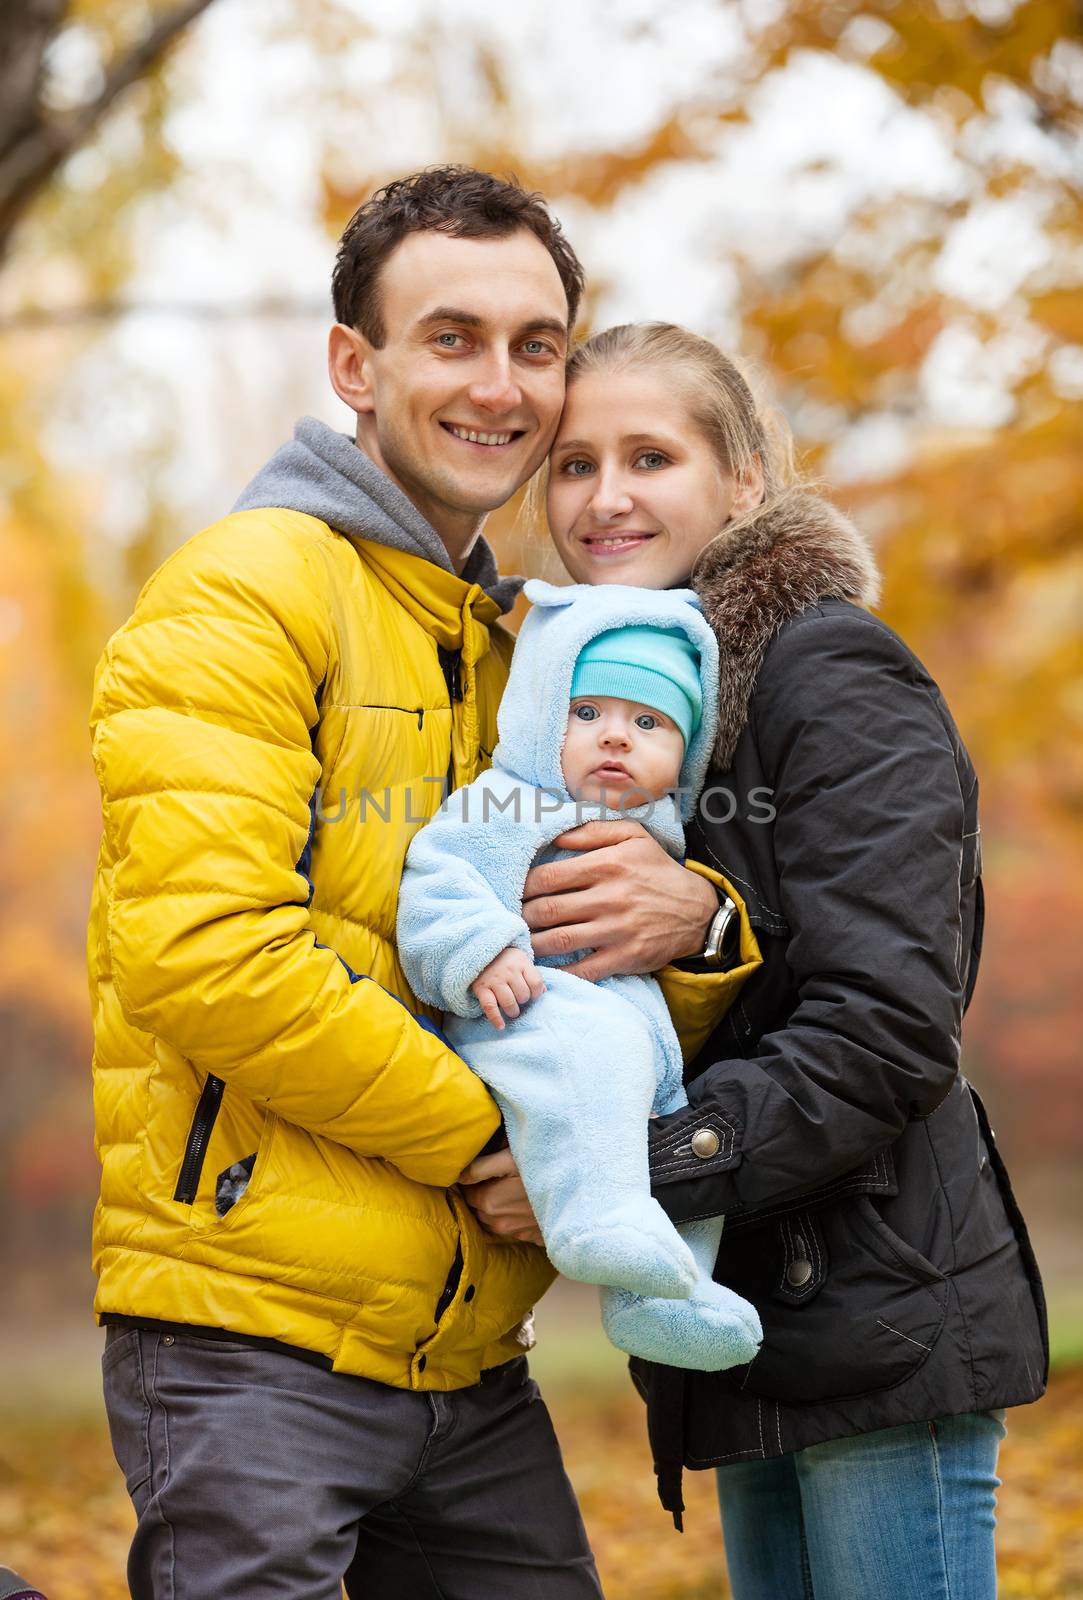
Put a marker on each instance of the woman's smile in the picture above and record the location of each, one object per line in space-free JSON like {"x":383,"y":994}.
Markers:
{"x":614,"y":544}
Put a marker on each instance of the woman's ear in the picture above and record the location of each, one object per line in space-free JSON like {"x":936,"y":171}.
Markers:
{"x":748,"y":493}
{"x":349,"y":369}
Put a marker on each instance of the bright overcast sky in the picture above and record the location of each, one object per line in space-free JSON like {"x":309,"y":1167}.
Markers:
{"x":261,"y":107}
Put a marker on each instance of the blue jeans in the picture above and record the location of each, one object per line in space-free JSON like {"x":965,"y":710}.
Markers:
{"x":901,"y":1514}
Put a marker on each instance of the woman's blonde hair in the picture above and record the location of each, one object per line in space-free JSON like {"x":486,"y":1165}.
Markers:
{"x":744,"y":431}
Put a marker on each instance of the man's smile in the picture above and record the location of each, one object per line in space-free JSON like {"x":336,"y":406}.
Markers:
{"x":476,"y":436}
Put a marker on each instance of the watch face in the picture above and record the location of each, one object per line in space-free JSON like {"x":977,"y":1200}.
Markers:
{"x":730,"y":948}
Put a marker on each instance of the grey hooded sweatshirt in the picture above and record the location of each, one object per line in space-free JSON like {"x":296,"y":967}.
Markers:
{"x":325,"y":474}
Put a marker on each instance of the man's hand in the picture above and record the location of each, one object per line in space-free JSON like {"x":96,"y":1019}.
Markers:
{"x":509,"y":981}
{"x":623,"y":897}
{"x":493,"y":1189}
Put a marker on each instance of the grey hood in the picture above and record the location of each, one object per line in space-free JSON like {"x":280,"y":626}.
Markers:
{"x":324,"y":474}
{"x":533,"y":715}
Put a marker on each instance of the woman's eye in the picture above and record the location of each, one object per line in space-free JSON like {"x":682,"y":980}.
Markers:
{"x":586,"y":713}
{"x":577,"y":468}
{"x":652,"y":460}
{"x":646,"y":721}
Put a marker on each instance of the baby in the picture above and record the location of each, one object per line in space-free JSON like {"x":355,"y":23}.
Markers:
{"x":610,"y":707}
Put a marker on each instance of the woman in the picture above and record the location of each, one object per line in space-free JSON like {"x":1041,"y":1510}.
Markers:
{"x":869,"y":1217}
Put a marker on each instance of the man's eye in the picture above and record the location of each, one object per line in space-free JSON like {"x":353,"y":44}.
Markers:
{"x":645,"y":720}
{"x":448,"y":341}
{"x":536,"y":347}
{"x":586,"y":713}
{"x":652,"y":460}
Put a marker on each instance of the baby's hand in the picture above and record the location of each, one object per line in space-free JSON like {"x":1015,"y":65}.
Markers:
{"x":508,"y":982}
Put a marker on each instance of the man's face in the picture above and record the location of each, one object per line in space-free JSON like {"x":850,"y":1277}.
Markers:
{"x":462,"y":401}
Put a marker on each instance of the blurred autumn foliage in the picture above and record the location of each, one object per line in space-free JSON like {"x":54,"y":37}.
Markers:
{"x":859,"y":328}
{"x":919,"y":317}
{"x":65,"y":1520}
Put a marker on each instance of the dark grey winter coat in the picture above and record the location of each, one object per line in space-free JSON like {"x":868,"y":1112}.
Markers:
{"x":869,"y":1217}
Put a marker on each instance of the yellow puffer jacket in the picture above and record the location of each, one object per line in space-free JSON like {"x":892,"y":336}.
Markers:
{"x":247,"y":994}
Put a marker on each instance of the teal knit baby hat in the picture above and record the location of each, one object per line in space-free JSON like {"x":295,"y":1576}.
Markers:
{"x":656,"y":667}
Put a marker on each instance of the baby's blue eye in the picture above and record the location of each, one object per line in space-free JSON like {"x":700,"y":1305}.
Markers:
{"x":586,"y":713}
{"x":645,"y":720}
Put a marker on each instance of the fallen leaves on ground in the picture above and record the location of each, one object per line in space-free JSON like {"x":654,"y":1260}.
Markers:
{"x":641,"y":1557}
{"x":65,"y":1519}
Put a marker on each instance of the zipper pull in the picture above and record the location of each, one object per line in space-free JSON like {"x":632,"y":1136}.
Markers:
{"x":451,"y":661}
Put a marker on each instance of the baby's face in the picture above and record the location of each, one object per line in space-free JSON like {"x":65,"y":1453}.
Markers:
{"x":619,"y":754}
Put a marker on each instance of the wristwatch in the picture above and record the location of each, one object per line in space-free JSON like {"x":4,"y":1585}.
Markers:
{"x":723,"y":933}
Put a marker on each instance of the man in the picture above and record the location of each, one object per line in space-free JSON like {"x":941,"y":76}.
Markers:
{"x":314,"y":1350}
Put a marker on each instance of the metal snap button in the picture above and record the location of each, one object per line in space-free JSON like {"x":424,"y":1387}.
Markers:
{"x":705,"y":1143}
{"x":167,"y":1338}
{"x":798,"y":1274}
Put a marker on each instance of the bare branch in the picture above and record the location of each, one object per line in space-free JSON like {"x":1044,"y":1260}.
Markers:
{"x":26,"y":30}
{"x":33,"y":160}
{"x":273,"y":308}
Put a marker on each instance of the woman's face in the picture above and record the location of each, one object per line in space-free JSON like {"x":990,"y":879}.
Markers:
{"x":635,"y":490}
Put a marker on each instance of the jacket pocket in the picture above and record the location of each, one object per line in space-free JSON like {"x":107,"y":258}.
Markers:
{"x":225,"y":1128}
{"x":199,"y":1137}
{"x":209,"y":1213}
{"x":847,"y":1306}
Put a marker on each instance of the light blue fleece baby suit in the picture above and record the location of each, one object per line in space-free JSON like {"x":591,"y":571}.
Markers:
{"x":578,"y":1072}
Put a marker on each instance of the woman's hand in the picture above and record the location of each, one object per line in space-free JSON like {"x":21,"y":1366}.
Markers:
{"x":493,"y":1189}
{"x":622,"y":896}
{"x":509,"y":982}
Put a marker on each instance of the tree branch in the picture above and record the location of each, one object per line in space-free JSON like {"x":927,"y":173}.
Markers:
{"x":273,"y":308}
{"x":33,"y":160}
{"x":26,"y":29}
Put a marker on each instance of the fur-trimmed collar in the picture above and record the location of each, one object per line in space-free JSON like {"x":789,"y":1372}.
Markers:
{"x":800,"y":551}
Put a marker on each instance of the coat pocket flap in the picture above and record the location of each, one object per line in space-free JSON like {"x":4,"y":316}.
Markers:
{"x":875,"y":1176}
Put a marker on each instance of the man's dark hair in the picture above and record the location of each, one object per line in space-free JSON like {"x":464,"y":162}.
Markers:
{"x":455,"y":200}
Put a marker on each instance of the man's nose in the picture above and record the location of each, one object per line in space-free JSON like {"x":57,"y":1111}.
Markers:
{"x":494,"y":388}
{"x":611,"y":497}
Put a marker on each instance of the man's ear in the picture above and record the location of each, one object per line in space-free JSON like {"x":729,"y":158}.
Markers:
{"x":749,"y":489}
{"x":349,"y":367}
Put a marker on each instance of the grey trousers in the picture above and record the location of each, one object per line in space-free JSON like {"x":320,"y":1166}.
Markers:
{"x":255,"y":1474}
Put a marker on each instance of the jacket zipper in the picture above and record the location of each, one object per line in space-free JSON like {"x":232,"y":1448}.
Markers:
{"x":409,"y":711}
{"x":452,"y":1283}
{"x":451,"y":662}
{"x":199,"y":1134}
